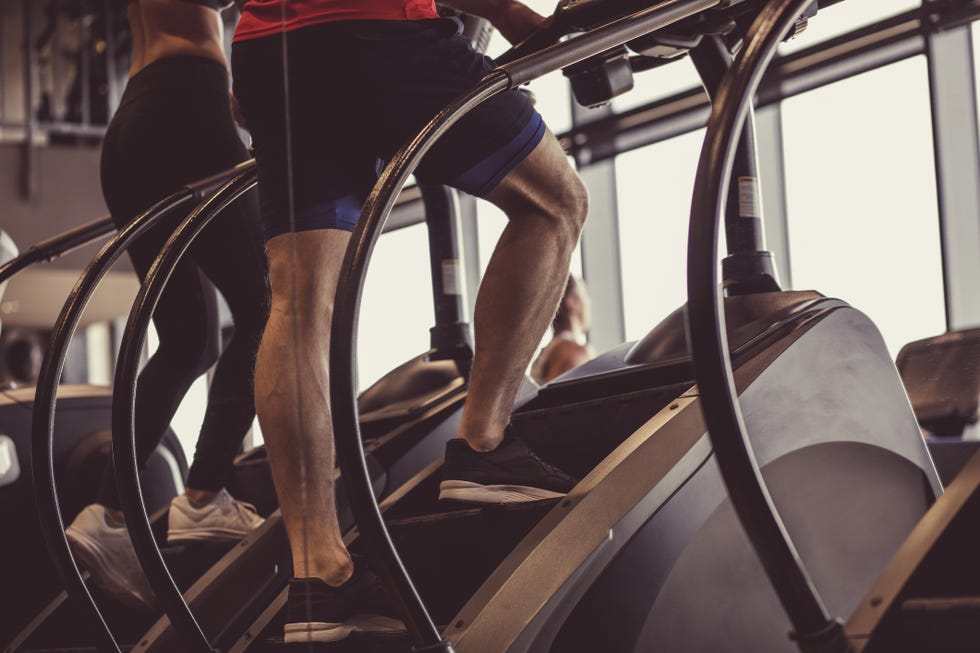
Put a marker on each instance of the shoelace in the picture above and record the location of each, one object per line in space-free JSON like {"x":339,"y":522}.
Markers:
{"x":551,"y":469}
{"x":247,"y":511}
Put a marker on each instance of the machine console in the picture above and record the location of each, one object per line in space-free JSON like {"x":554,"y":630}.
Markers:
{"x":599,"y":79}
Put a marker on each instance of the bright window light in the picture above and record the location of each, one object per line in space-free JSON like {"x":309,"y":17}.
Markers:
{"x":861,"y":194}
{"x":661,"y":82}
{"x":396,"y":308}
{"x":654,"y":186}
{"x":845,"y":17}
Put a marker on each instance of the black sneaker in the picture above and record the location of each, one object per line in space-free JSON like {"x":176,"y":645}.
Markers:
{"x":511,"y":473}
{"x":317,"y":612}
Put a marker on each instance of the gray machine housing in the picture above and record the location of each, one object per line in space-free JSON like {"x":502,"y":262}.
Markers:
{"x":646,"y":554}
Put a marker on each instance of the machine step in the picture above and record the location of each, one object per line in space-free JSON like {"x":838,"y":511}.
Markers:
{"x":928,"y":598}
{"x":355,"y":643}
{"x":83,"y":649}
{"x":466,"y":545}
{"x":943,"y":605}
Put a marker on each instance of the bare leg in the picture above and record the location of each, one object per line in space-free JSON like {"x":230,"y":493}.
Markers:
{"x":292,"y":397}
{"x":546,"y":205}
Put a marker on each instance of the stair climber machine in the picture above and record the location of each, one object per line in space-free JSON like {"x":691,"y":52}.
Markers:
{"x":80,"y":452}
{"x":648,"y":552}
{"x":406,"y":418}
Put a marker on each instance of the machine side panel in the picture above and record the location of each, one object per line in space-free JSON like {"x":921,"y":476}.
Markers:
{"x":847,"y":467}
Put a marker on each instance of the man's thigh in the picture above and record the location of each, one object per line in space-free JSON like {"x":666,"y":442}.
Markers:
{"x":313,"y":145}
{"x":416,"y":69}
{"x":358,"y":90}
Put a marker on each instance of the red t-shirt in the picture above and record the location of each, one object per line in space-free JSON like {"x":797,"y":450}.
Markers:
{"x":265,"y":17}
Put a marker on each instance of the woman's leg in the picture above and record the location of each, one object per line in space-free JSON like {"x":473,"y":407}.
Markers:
{"x":230,"y":252}
{"x":186,"y":324}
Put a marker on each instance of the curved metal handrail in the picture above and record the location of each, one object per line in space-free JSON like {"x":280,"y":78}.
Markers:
{"x":343,"y":393}
{"x":42,"y":423}
{"x":709,"y":341}
{"x":52,"y":248}
{"x":42,"y":419}
{"x":124,"y":458}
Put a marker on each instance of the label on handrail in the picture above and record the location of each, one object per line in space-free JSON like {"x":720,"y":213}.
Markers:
{"x":749,"y":202}
{"x":450,"y":277}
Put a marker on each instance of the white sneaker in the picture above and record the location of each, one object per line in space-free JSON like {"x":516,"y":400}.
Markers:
{"x":108,"y":555}
{"x":224,"y":519}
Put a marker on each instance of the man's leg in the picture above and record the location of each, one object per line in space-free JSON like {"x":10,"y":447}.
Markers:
{"x":330,"y":596}
{"x":546,"y":204}
{"x":292,"y":397}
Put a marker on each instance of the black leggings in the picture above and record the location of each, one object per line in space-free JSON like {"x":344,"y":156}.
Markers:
{"x":174,"y":126}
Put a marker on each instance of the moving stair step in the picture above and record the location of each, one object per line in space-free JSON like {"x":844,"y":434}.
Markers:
{"x":355,"y":643}
{"x":450,"y":554}
{"x":941,"y":624}
{"x":944,"y":605}
{"x":81,"y":649}
{"x":928,"y":597}
{"x":67,"y":629}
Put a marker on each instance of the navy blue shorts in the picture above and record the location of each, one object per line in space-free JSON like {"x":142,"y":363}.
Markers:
{"x":358,"y":90}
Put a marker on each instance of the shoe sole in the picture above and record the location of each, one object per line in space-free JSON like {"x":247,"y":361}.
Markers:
{"x":102,"y":569}
{"x":470,"y":492}
{"x":320,"y":631}
{"x":216,"y":535}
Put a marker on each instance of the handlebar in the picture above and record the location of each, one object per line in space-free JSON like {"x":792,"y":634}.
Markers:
{"x":56,"y":246}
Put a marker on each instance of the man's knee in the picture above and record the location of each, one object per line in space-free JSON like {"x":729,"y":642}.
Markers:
{"x":574,"y":201}
{"x":564,"y":201}
{"x":567,"y":206}
{"x":303,"y":272}
{"x":545,"y":185}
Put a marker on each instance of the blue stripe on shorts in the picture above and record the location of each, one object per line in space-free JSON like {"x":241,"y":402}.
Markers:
{"x":340,"y":214}
{"x":484,"y":176}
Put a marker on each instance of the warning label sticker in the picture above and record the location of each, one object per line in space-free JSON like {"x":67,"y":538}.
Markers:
{"x":749,"y":200}
{"x":450,"y":277}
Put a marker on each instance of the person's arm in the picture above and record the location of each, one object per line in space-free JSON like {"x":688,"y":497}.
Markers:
{"x":513,"y":19}
{"x":565,"y":356}
{"x":236,"y":111}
